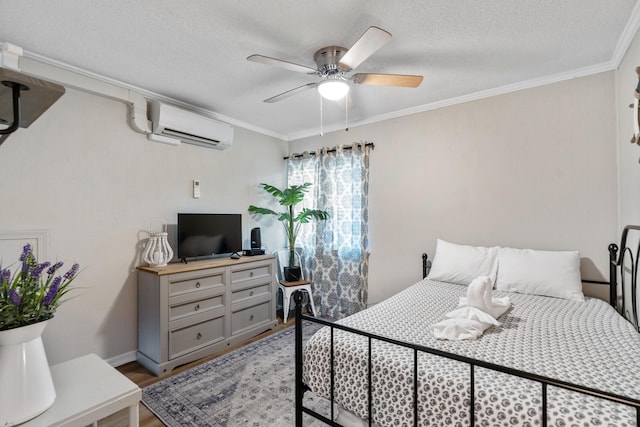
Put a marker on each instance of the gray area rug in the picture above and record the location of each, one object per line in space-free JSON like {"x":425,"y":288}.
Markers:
{"x":251,"y":386}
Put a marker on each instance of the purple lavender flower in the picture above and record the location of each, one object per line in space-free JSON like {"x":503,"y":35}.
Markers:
{"x":72,"y":271}
{"x":36,"y":272}
{"x":54,"y":268}
{"x":33,"y":296}
{"x":53,"y":291}
{"x":26,"y":251}
{"x":14,"y":297}
{"x":5,"y":276}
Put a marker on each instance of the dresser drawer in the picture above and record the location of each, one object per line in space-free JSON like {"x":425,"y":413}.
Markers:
{"x":250,"y":316}
{"x":190,"y":338}
{"x":180,"y":284}
{"x":256,"y":291}
{"x":178,"y":311}
{"x":242,"y":277}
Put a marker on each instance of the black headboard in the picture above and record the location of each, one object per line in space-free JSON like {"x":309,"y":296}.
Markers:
{"x":624,"y":264}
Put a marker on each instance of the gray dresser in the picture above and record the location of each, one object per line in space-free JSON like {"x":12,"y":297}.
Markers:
{"x":189,"y":311}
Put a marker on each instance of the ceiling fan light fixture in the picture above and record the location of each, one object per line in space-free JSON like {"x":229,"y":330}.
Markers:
{"x":333,"y":89}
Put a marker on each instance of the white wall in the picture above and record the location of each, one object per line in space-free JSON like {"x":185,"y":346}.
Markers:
{"x":626,"y":81}
{"x":95,"y":186}
{"x":535,"y":168}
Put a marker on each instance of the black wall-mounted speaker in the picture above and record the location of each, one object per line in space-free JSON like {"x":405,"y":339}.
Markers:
{"x":256,"y":241}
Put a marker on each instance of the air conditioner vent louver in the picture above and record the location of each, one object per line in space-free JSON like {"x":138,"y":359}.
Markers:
{"x":183,"y":135}
{"x":189,"y":127}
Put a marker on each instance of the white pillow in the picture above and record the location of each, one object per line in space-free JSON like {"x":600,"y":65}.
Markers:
{"x":461,"y":263}
{"x":550,"y":273}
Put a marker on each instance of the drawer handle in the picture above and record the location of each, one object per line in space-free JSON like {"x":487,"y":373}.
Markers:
{"x":251,"y":318}
{"x":251,"y":274}
{"x":197,"y":285}
{"x":251,"y":293}
{"x":197,"y":307}
{"x":199,"y":336}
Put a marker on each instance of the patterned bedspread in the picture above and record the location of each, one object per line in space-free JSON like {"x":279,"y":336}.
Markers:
{"x":586,"y":343}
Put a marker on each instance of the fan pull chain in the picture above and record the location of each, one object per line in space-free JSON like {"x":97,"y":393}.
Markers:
{"x":346,"y":114}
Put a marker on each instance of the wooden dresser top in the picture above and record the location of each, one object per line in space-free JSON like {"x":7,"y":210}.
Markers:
{"x":180,"y":267}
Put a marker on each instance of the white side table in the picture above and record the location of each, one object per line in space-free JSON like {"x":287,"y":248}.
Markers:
{"x":87,"y":390}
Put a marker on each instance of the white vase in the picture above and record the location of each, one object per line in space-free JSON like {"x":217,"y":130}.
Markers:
{"x":26,"y":386}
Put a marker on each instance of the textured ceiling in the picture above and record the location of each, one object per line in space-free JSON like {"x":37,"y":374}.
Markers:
{"x":195,"y":51}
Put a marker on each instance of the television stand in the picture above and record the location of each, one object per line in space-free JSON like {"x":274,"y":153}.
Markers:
{"x":190,"y":311}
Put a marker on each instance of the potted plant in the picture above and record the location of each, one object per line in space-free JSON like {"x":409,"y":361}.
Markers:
{"x":28,"y":299}
{"x":290,"y":219}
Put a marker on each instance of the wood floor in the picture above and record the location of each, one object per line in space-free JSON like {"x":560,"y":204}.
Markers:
{"x":143,"y":377}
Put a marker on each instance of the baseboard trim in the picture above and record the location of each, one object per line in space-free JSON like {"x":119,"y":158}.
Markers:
{"x":122,"y":359}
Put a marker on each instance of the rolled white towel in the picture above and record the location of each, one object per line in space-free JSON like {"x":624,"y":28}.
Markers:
{"x":459,"y":329}
{"x":479,"y":295}
{"x":476,"y":312}
{"x":472,"y":313}
{"x":463,"y":323}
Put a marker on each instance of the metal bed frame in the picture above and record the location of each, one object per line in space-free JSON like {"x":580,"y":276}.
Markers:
{"x":616,"y":265}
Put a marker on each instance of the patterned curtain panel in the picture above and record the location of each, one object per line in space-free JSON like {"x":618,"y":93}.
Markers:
{"x":300,"y":169}
{"x":336,"y":250}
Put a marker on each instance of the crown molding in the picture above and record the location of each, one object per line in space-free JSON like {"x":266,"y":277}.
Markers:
{"x":626,"y":38}
{"x":515,"y":87}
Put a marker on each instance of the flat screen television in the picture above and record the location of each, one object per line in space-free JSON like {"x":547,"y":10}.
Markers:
{"x":208,"y":235}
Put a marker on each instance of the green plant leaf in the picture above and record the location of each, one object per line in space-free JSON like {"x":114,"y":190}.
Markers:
{"x":289,"y":198}
{"x":308,"y":214}
{"x":274,"y":191}
{"x":262,"y":211}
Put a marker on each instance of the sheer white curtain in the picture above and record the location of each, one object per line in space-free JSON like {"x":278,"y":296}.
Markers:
{"x":336,"y":250}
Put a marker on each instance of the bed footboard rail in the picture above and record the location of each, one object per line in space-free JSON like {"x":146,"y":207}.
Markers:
{"x":545,"y":382}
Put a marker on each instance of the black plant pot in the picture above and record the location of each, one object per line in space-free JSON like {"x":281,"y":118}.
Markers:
{"x":292,"y":274}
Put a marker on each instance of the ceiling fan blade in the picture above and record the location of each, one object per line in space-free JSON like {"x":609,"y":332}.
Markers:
{"x":282,"y":64}
{"x":401,"y":80}
{"x":372,"y":39}
{"x":289,"y":93}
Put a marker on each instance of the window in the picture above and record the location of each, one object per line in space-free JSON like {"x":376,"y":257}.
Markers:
{"x":336,"y":250}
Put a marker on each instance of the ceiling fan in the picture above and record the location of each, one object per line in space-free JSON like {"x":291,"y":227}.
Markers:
{"x":334,"y":63}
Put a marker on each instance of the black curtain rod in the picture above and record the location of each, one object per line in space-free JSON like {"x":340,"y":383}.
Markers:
{"x":332,"y":150}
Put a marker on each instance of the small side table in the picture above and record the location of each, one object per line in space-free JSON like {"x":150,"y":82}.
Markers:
{"x":288,"y":288}
{"x":87,"y":390}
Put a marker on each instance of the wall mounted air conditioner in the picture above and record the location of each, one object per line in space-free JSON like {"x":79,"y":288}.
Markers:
{"x":177,"y":124}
